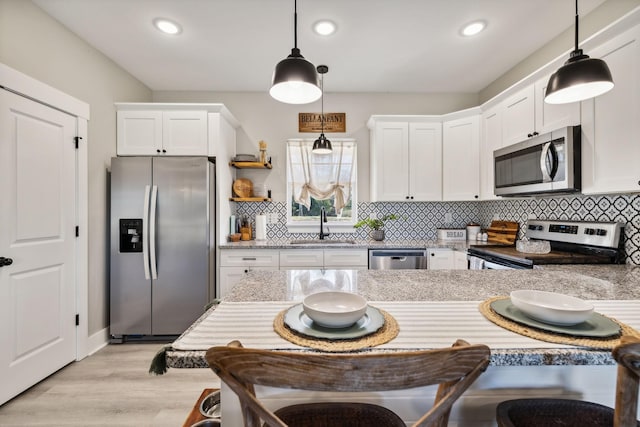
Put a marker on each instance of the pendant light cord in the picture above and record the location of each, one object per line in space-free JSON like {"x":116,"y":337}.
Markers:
{"x":322,"y":104}
{"x":576,"y":25}
{"x":295,"y":23}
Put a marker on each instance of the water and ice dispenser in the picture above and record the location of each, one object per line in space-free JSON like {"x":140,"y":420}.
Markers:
{"x":131,"y":235}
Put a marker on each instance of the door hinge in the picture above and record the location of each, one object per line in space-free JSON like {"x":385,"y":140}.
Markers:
{"x":77,"y":319}
{"x":77,"y":231}
{"x":77,"y":140}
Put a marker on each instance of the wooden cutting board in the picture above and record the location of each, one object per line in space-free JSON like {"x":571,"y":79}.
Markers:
{"x":504,"y":232}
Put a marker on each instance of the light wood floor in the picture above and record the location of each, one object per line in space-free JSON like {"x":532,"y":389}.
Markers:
{"x":110,"y":388}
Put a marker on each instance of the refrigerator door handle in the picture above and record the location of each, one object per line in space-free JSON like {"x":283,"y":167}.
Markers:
{"x":145,"y":232}
{"x":152,"y":232}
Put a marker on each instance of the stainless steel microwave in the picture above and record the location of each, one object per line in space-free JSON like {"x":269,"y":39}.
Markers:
{"x":549,"y":163}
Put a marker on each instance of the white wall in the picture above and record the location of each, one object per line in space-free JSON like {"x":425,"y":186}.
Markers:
{"x":35,"y":44}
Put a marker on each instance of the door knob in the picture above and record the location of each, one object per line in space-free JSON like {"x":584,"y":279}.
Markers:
{"x":5,"y":261}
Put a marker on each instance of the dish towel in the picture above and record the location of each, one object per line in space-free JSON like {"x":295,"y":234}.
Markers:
{"x":476,"y":263}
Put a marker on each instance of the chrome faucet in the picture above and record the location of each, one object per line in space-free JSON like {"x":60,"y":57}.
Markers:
{"x":323,"y":218}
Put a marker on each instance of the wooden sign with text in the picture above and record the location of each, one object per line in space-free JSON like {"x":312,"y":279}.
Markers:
{"x":312,"y":122}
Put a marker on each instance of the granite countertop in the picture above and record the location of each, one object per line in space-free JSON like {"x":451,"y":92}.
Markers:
{"x":595,"y":282}
{"x":591,"y":282}
{"x":353,"y":244}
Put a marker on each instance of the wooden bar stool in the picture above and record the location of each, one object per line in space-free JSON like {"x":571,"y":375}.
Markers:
{"x":576,"y":413}
{"x":454,"y":369}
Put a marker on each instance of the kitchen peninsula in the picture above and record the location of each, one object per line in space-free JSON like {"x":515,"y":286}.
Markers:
{"x":433,"y":309}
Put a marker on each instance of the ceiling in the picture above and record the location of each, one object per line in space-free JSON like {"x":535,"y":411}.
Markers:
{"x":380,"y":45}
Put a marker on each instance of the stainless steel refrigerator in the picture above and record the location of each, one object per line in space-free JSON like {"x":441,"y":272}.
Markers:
{"x":162,"y":244}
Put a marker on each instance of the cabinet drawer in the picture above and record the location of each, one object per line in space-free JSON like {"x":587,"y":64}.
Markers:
{"x":249,"y":258}
{"x":301,"y":258}
{"x":346,"y":258}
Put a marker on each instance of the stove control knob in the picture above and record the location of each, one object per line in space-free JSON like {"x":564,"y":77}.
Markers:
{"x":589,"y":231}
{"x":601,"y":232}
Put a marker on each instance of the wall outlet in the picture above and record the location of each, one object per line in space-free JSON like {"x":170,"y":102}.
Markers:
{"x":448,"y":218}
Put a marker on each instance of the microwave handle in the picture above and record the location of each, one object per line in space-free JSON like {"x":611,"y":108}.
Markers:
{"x":548,"y":175}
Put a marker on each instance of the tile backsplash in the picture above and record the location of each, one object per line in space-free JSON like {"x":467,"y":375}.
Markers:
{"x":423,"y":218}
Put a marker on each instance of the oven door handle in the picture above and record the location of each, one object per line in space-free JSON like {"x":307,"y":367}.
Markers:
{"x":488,"y":265}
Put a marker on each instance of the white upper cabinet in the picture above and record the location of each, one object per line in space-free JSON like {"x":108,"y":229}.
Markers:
{"x":611,"y":122}
{"x":406,"y":159}
{"x":490,"y":140}
{"x":153,"y":132}
{"x":525,"y":114}
{"x":518,"y":116}
{"x":154,"y":129}
{"x":460,"y":159}
{"x":550,"y":117}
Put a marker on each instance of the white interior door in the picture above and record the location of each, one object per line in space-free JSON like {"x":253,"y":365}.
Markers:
{"x":37,"y":232}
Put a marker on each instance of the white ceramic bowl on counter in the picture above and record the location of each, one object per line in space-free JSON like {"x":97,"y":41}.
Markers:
{"x":552,"y":307}
{"x":334,"y":309}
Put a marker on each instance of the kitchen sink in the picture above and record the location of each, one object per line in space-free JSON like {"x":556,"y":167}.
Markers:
{"x":322,"y":242}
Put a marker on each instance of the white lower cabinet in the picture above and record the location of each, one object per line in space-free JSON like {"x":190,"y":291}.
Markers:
{"x":334,"y":259}
{"x":301,"y":259}
{"x":236,"y":263}
{"x":346,"y":259}
{"x":460,"y":261}
{"x":446,"y":259}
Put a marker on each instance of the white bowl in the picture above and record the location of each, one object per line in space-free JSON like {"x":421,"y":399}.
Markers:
{"x":334,"y":309}
{"x":551,"y":307}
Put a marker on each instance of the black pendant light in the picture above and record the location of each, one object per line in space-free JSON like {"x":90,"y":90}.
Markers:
{"x":322,"y":145}
{"x":579,"y":78}
{"x":295,"y":80}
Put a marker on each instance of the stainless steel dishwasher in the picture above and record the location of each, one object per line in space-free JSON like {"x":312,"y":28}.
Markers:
{"x":397,"y":259}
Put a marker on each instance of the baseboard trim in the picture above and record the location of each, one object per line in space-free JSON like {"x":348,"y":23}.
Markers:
{"x":97,"y":341}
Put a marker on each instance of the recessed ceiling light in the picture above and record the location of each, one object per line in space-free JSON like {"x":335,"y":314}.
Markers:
{"x":167,"y":26}
{"x":324,"y":27}
{"x":473,"y":28}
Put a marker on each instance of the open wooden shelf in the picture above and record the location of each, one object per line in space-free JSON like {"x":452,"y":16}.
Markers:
{"x":250,"y":199}
{"x":250,"y":165}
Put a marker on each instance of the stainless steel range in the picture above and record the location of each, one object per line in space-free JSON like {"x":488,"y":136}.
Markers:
{"x":572,"y":242}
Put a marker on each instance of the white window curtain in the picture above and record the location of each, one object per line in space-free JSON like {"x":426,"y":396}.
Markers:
{"x":322,"y":176}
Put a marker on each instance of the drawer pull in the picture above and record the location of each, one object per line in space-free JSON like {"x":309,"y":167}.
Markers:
{"x":248,"y":258}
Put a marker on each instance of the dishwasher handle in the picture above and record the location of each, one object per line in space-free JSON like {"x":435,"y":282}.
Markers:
{"x":398,"y":254}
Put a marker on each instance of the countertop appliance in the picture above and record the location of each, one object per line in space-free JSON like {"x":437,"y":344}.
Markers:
{"x":162,"y":244}
{"x":397,"y":259}
{"x":572,"y":242}
{"x":548,"y":163}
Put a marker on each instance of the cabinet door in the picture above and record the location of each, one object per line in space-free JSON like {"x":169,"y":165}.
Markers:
{"x":460,"y":261}
{"x":184,"y":133}
{"x":390,"y":162}
{"x":460,"y":159}
{"x":491,"y":140}
{"x":346,"y":258}
{"x":611,"y":122}
{"x":518,"y":116}
{"x":301,"y":258}
{"x":550,"y":117}
{"x":139,"y":133}
{"x":440,"y":259}
{"x":425,"y":161}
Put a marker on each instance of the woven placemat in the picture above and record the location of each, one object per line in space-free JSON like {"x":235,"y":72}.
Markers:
{"x":386,"y":333}
{"x":606,"y":343}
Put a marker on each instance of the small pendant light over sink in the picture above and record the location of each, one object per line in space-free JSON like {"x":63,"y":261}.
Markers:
{"x":579,"y":78}
{"x":295,"y":80}
{"x":322,"y":145}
